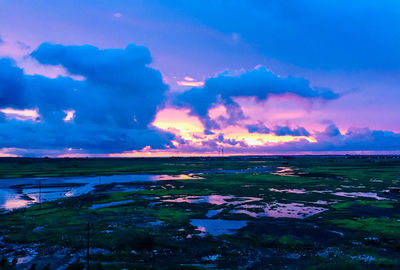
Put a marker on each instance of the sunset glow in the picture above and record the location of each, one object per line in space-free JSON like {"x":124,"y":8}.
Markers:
{"x":144,"y":82}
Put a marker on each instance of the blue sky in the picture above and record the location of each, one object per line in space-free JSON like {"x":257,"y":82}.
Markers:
{"x":346,"y":48}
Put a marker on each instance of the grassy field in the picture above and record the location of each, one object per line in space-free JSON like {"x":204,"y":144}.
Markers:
{"x":309,"y":213}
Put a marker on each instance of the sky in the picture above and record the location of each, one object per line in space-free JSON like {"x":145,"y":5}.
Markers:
{"x":199,"y":78}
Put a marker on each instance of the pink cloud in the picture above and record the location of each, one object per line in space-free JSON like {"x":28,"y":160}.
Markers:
{"x":189,"y":81}
{"x":69,"y":115}
{"x":117,"y":15}
{"x":192,"y":84}
{"x":23,"y":115}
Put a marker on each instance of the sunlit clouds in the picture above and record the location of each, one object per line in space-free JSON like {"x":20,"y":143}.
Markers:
{"x":191,"y":78}
{"x":23,"y":115}
{"x":188,"y":81}
{"x":69,"y":115}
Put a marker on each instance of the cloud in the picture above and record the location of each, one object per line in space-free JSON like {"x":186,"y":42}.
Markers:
{"x":119,"y":88}
{"x":189,"y":81}
{"x":258,"y":128}
{"x":12,"y":85}
{"x":90,"y":138}
{"x":258,"y":83}
{"x":285,"y":130}
{"x":355,"y":139}
{"x":113,"y":106}
{"x":332,"y":131}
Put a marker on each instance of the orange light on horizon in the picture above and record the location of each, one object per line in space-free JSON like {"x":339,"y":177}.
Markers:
{"x":259,"y":139}
{"x":179,"y":122}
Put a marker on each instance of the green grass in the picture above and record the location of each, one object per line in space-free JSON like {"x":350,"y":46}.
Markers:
{"x":148,"y":224}
{"x":373,"y":203}
{"x":376,"y":226}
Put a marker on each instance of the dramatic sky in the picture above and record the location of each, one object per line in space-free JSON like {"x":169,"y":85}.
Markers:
{"x":199,"y":77}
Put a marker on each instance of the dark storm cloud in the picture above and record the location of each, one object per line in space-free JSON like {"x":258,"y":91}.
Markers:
{"x":258,"y":83}
{"x":114,"y":104}
{"x":284,"y":130}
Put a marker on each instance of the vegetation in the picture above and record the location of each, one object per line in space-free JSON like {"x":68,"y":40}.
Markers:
{"x":319,"y":212}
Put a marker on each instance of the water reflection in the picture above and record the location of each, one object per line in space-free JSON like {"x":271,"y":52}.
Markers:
{"x":278,"y":210}
{"x":22,"y":192}
{"x":213,"y":199}
{"x":213,"y":213}
{"x":284,"y":171}
{"x":371,"y":195}
{"x":217,"y":226}
{"x":104,"y":205}
{"x":295,"y":191}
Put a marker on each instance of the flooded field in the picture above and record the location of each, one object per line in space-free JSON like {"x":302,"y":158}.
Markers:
{"x":22,"y":192}
{"x":250,"y":213}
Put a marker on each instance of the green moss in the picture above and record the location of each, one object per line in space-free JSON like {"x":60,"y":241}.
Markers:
{"x":378,"y":226}
{"x":379,"y":204}
{"x":172,"y":215}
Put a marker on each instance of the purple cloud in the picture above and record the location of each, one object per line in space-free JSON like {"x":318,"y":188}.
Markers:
{"x":114,"y":106}
{"x":258,"y":83}
{"x":285,"y":130}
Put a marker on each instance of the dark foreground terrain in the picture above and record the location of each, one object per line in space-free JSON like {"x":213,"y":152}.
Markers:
{"x":320,"y":212}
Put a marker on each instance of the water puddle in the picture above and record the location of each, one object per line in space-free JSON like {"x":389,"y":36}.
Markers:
{"x":320,"y":202}
{"x":278,"y":210}
{"x":371,"y":195}
{"x":22,"y":192}
{"x":217,"y":227}
{"x":25,"y":259}
{"x":213,"y":213}
{"x":285,"y":171}
{"x":212,"y":199}
{"x":104,"y":205}
{"x":294,"y":191}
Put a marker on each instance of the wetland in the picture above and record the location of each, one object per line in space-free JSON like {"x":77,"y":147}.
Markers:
{"x":294,"y":212}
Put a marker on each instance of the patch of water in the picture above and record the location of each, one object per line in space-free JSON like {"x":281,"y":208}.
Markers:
{"x":279,"y":210}
{"x":213,"y":213}
{"x":22,"y":192}
{"x":217,"y":226}
{"x":321,"y":202}
{"x":25,"y":259}
{"x":294,"y":191}
{"x":371,"y":195}
{"x":9,"y":199}
{"x":213,"y":199}
{"x":284,"y":171}
{"x":104,"y":205}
